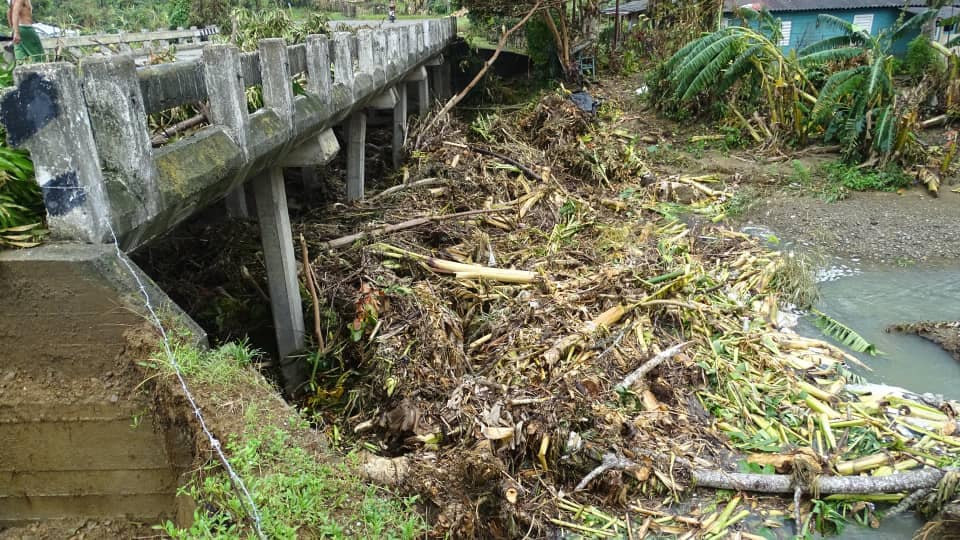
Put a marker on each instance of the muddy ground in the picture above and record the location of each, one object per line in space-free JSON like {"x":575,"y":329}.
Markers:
{"x":910,"y":225}
{"x":884,"y":227}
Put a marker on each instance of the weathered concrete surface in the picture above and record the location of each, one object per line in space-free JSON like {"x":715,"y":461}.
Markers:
{"x":319,"y":151}
{"x":356,"y":135}
{"x":95,"y":162}
{"x":47,"y":114}
{"x":76,"y":435}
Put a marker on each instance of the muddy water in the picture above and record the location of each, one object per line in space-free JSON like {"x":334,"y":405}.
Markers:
{"x":870,"y":298}
{"x":873,"y":298}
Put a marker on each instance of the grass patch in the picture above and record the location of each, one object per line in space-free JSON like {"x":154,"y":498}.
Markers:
{"x":275,"y":451}
{"x":744,"y":198}
{"x":850,"y":177}
{"x":795,"y":280}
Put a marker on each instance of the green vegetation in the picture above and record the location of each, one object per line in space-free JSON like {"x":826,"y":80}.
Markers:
{"x":840,"y":89}
{"x":297,"y":492}
{"x":842,"y":333}
{"x":857,"y":179}
{"x":921,"y":59}
{"x":21,"y":202}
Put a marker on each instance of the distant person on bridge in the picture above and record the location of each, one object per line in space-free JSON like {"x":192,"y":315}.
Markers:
{"x":26,"y":42}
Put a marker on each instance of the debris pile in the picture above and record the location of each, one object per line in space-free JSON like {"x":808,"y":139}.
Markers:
{"x":560,"y":340}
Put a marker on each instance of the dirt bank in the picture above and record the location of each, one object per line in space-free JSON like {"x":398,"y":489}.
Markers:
{"x":879,"y":226}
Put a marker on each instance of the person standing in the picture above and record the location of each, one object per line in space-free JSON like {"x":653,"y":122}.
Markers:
{"x":26,"y":42}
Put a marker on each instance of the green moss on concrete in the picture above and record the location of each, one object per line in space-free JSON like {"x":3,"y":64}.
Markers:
{"x":188,"y":167}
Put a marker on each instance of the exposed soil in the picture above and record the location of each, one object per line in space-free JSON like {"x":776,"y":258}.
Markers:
{"x":945,"y":334}
{"x":883,"y":227}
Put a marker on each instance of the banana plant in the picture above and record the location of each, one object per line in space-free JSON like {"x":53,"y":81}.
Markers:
{"x":858,"y":106}
{"x":748,"y":57}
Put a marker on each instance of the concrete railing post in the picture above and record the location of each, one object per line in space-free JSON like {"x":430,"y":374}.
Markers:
{"x":46,"y":114}
{"x":319,"y":81}
{"x":119,"y":122}
{"x":427,"y":37}
{"x":365,"y":49}
{"x":380,"y":58}
{"x":275,"y":233}
{"x":411,"y":46}
{"x":393,"y":53}
{"x":364,"y":82}
{"x":420,"y":50}
{"x":399,"y":124}
{"x":228,"y":107}
{"x":342,"y":61}
{"x":356,"y":135}
{"x":276,"y":79}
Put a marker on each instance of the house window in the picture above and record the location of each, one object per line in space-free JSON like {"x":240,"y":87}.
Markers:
{"x":785,"y":27}
{"x":864,"y":22}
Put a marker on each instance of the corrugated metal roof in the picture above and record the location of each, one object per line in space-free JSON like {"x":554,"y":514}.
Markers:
{"x":819,"y":5}
{"x":945,"y":12}
{"x":626,"y":8}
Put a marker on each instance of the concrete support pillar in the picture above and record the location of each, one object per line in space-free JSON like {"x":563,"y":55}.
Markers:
{"x":284,"y":287}
{"x":444,"y":82}
{"x":399,"y":124}
{"x":46,"y":114}
{"x":356,"y":135}
{"x":119,"y":122}
{"x":228,"y":108}
{"x":423,"y":96}
{"x":275,"y":233}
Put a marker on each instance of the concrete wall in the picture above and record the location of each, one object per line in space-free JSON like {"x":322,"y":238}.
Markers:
{"x":86,"y":126}
{"x":77,"y":436}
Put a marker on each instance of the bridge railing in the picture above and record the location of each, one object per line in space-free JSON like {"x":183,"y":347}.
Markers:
{"x":142,"y":42}
{"x":86,"y":126}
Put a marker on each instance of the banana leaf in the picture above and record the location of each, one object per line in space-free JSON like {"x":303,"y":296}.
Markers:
{"x":843,"y":333}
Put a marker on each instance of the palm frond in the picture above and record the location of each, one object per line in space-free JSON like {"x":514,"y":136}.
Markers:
{"x":835,"y":42}
{"x":876,"y":83}
{"x":913,"y":24}
{"x":738,"y":67}
{"x":688,"y":70}
{"x":690,"y":49}
{"x":838,"y":86}
{"x":831,"y":55}
{"x":885,"y":131}
{"x":843,"y":333}
{"x":836,"y":22}
{"x":710,"y":73}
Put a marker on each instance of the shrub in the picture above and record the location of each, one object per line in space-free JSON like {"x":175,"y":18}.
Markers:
{"x":920,"y":59}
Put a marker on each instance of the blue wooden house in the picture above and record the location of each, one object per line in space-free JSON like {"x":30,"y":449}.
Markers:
{"x":800,"y":27}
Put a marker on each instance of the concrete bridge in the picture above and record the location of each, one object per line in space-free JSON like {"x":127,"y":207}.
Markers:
{"x":65,"y":305}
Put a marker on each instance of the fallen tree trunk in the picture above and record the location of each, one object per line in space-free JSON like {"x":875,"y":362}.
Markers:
{"x":782,"y":483}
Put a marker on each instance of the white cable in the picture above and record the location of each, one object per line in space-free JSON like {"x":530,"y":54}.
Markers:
{"x":214,"y":443}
